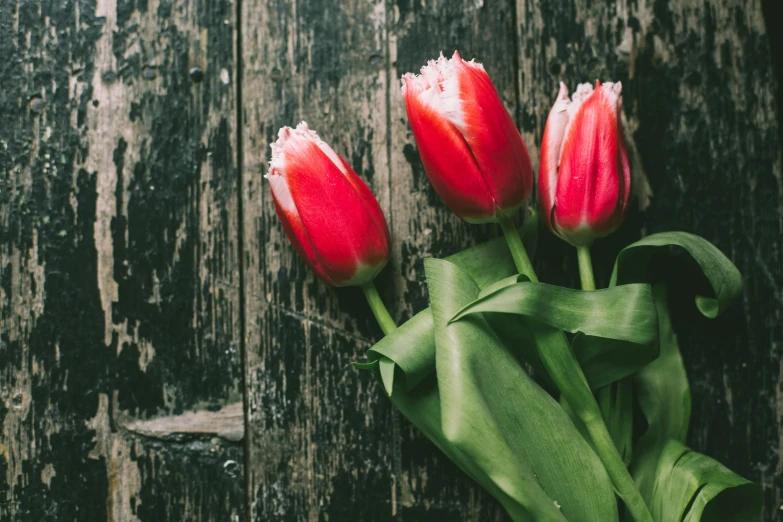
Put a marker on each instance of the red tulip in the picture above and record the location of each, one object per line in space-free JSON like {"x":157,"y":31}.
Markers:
{"x":584,"y":180}
{"x":471,"y":149}
{"x":327,"y":211}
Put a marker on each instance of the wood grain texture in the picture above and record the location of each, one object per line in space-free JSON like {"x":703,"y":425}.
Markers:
{"x":121,"y":222}
{"x":119,"y":292}
{"x":320,"y":435}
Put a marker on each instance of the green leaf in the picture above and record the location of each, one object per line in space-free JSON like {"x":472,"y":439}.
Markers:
{"x":496,"y":415}
{"x":421,"y":406}
{"x":665,"y":400}
{"x":633,"y":262}
{"x":513,"y":331}
{"x":616,"y":403}
{"x":618,"y":326}
{"x":516,"y":334}
{"x":662,"y":386}
{"x":386,"y":367}
{"x":677,"y":484}
{"x":411,"y":347}
{"x":497,"y":285}
{"x":691,"y":487}
{"x":624,"y":313}
{"x":605,"y":361}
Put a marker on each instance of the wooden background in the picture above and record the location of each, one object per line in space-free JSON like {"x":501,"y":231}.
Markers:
{"x":164,"y":356}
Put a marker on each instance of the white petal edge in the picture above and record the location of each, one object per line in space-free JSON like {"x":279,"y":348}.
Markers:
{"x":613,"y":94}
{"x":438,"y":87}
{"x":556,"y":124}
{"x":280,"y":191}
{"x":583,"y":91}
{"x":287,"y":134}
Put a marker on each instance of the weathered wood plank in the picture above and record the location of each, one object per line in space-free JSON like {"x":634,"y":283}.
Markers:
{"x":324,"y":443}
{"x":118,"y":252}
{"x":422,"y":226}
{"x":320,"y":441}
{"x":699,"y":93}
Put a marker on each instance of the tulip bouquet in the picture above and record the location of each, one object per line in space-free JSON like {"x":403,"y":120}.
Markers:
{"x":565,"y":404}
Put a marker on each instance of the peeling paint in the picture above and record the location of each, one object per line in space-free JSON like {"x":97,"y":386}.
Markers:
{"x":100,"y":316}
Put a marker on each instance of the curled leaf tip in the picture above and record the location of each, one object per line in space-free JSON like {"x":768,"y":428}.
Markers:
{"x":365,"y":365}
{"x":386,"y":366}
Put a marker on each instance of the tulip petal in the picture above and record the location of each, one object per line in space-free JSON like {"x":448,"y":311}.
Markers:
{"x":297,"y":234}
{"x":590,"y":184}
{"x":368,"y":199}
{"x":447,"y":159}
{"x":366,"y":196}
{"x":551,"y":144}
{"x":304,"y":131}
{"x":490,"y":133}
{"x":327,"y":211}
{"x":583,"y":91}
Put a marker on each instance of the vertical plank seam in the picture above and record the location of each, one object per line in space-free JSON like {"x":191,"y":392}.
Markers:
{"x":389,"y":149}
{"x":241,"y":263}
{"x":772,"y":11}
{"x":517,"y":67}
{"x":395,"y":416}
{"x":533,"y":201}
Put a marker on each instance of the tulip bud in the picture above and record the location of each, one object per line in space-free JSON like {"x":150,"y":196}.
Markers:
{"x":327,"y":211}
{"x":584,"y":179}
{"x":471,"y":149}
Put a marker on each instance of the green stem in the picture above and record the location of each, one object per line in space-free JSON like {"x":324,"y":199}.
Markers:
{"x":559,"y":361}
{"x":516,"y":246}
{"x":585,"y":268}
{"x":379,"y":310}
{"x":615,"y":467}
